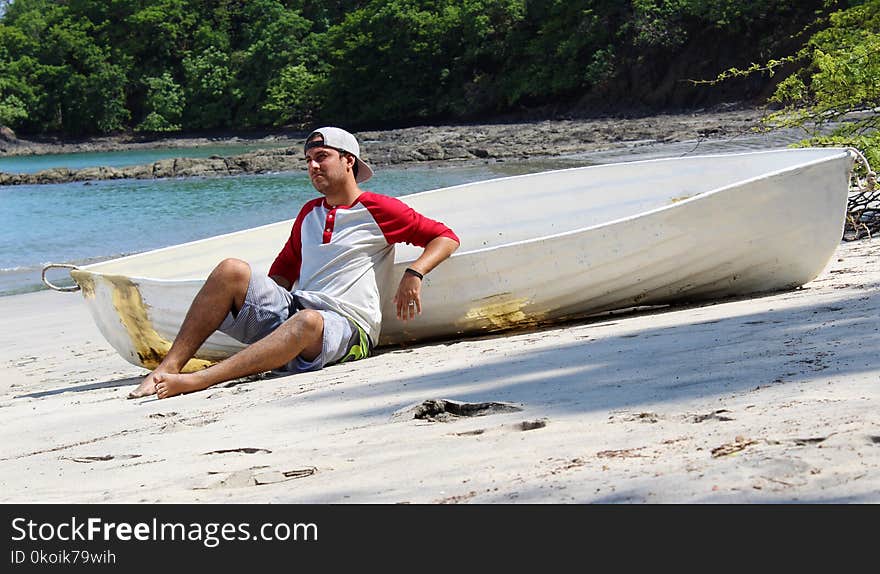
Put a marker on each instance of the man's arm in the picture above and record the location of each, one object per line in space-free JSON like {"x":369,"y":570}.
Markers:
{"x":410,"y":289}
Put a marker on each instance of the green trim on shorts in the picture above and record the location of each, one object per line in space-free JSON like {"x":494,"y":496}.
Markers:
{"x":359,"y":351}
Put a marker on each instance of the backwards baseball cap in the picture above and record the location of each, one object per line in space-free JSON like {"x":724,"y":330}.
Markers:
{"x":341,"y":140}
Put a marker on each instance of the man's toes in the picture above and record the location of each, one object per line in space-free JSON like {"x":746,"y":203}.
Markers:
{"x":143,"y":390}
{"x":136,"y":394}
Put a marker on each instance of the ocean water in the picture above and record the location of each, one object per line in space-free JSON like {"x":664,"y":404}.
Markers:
{"x":80,"y":223}
{"x":122,"y":158}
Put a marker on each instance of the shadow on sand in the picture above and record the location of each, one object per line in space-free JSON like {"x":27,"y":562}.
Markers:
{"x":127,"y":382}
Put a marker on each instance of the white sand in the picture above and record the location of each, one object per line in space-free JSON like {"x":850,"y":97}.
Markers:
{"x":772,"y":399}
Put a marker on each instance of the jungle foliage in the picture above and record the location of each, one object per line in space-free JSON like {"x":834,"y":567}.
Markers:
{"x":835,"y":93}
{"x":84,"y":67}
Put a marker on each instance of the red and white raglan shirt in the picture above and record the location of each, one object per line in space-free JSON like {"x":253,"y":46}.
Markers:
{"x":337,"y":257}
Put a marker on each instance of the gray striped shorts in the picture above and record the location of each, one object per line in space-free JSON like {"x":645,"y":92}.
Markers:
{"x":267,"y":305}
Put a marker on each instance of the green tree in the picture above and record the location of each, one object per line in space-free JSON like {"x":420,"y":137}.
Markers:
{"x":407,"y":60}
{"x":12,"y":109}
{"x":73,"y":86}
{"x":16,"y":94}
{"x":208,"y":89}
{"x":164,"y":105}
{"x":566,"y":49}
{"x":386,"y":61}
{"x":834,"y":95}
{"x":270,"y":48}
{"x":293,"y":96}
{"x":94,"y":66}
{"x":92,"y":88}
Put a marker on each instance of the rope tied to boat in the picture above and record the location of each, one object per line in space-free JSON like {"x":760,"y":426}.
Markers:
{"x":54,"y":287}
{"x":863,"y":203}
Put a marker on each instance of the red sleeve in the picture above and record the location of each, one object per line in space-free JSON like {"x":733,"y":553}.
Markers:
{"x":400,"y":223}
{"x":287,"y":263}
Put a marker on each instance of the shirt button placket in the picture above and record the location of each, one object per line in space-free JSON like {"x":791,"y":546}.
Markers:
{"x":328,"y":228}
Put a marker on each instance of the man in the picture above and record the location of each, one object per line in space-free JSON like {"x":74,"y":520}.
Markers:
{"x":320,"y":303}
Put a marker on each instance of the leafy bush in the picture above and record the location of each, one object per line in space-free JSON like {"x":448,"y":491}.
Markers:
{"x":164,"y":104}
{"x":835,"y":95}
{"x":292,"y":96}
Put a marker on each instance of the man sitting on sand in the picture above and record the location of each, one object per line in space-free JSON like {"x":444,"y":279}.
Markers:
{"x":320,"y":303}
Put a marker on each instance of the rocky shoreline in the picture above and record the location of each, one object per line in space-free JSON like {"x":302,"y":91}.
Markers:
{"x":465,"y":143}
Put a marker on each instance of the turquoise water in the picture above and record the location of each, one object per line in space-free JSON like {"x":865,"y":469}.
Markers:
{"x":81,"y":223}
{"x":35,"y":163}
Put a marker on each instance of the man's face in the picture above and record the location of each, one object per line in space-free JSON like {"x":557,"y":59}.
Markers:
{"x":328,"y":168}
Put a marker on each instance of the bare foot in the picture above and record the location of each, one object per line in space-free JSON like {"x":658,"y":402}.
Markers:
{"x":146,"y":388}
{"x":169,"y":385}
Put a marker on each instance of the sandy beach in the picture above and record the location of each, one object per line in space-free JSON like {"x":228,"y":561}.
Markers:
{"x":772,"y":399}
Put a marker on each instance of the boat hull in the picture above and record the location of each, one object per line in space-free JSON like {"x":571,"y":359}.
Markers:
{"x":702,"y":240}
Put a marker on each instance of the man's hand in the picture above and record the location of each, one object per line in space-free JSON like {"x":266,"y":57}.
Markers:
{"x":409,"y":293}
{"x":409,"y":297}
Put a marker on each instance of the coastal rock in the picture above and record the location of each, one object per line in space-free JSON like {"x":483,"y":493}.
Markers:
{"x":164,"y":168}
{"x":480,"y":152}
{"x":254,"y":164}
{"x":457,"y":152}
{"x":189,"y":167}
{"x":10,"y":178}
{"x":422,"y":144}
{"x":432,"y":152}
{"x":53,"y":175}
{"x":95,"y":173}
{"x":7,"y":135}
{"x":259,"y":163}
{"x":138,"y":171}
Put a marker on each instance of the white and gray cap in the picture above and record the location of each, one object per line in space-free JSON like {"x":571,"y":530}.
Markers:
{"x":341,"y":140}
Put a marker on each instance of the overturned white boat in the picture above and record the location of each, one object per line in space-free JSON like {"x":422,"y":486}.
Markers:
{"x":540,"y":248}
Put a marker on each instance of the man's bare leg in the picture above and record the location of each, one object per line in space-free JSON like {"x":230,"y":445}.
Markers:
{"x":223,"y":291}
{"x":302,"y":334}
